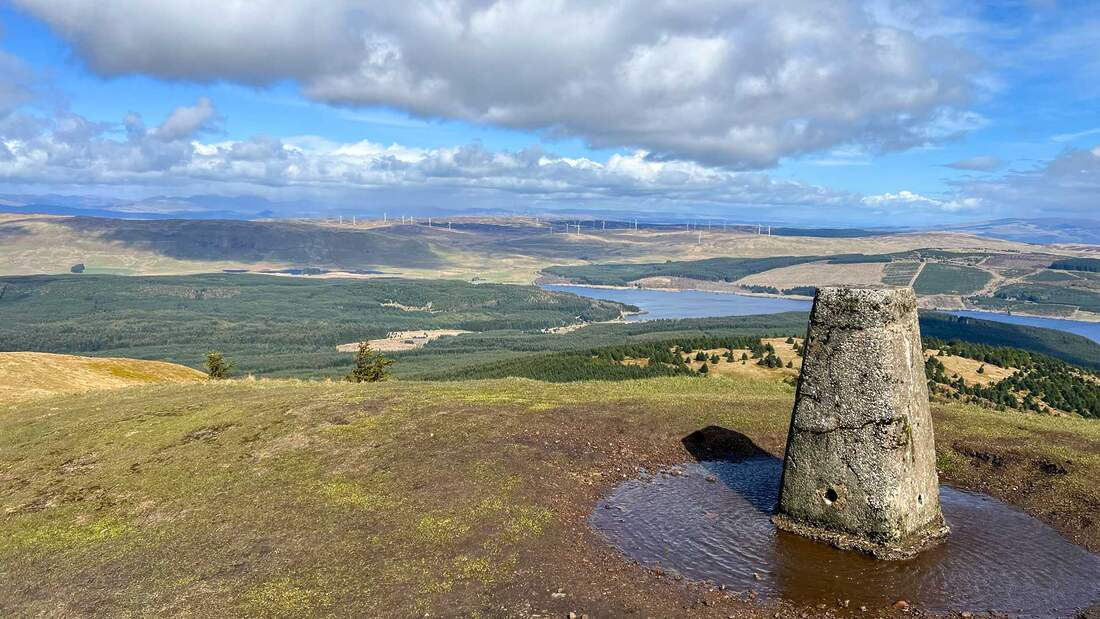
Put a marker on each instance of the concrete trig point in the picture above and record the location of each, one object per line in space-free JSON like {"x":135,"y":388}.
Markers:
{"x":860,"y":469}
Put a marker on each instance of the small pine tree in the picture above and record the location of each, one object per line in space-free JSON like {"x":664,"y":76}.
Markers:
{"x":700,"y":356}
{"x":981,"y":369}
{"x":370,"y":366}
{"x":790,"y":364}
{"x":704,"y":369}
{"x":217,"y":366}
{"x":790,"y":340}
{"x":744,"y":356}
{"x":714,"y":359}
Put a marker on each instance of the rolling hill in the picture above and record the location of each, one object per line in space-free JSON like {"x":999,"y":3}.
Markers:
{"x":502,"y":249}
{"x":31,"y":374}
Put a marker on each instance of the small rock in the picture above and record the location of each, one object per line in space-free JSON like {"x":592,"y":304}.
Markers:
{"x":862,"y":609}
{"x":557,"y":595}
{"x":901,"y":605}
{"x":757,"y":576}
{"x":572,"y":615}
{"x":711,"y":478}
{"x":966,"y":614}
{"x":844,"y":603}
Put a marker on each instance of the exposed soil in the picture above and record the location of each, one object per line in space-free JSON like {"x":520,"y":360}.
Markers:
{"x":403,"y":340}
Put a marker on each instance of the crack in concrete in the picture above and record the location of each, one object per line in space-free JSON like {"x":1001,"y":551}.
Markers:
{"x":881,"y":422}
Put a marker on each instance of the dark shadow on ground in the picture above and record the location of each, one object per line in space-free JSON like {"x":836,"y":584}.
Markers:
{"x":10,"y":231}
{"x":715,"y":447}
{"x":260,"y":241}
{"x":718,"y":443}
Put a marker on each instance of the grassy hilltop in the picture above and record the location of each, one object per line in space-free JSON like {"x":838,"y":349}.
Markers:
{"x":298,"y":499}
{"x":31,"y":374}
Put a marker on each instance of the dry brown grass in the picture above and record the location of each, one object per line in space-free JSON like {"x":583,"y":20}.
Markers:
{"x":748,"y":369}
{"x":37,"y":243}
{"x":818,"y":274}
{"x":967,"y":369}
{"x":25,"y":375}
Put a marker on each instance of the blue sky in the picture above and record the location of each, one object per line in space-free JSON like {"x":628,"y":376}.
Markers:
{"x":858,"y":113}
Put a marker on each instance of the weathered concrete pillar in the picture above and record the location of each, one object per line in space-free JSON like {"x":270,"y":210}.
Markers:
{"x":860,"y":469}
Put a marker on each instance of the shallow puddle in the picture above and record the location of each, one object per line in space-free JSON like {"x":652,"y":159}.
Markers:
{"x":710,"y":521}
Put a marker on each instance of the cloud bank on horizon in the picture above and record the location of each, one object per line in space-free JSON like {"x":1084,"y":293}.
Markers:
{"x":706,"y":106}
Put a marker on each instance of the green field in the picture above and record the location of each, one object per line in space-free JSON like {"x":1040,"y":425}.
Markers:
{"x":900,"y":273}
{"x":938,"y":278}
{"x":1048,"y":276}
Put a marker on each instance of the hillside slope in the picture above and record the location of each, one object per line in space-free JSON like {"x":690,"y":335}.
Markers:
{"x":505,"y":249}
{"x":31,"y":374}
{"x":298,"y":499}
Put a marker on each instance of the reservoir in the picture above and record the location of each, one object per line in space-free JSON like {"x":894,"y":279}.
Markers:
{"x":1090,"y":330}
{"x":658,"y":304}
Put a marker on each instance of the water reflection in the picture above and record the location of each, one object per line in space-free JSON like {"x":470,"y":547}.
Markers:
{"x":710,"y":520}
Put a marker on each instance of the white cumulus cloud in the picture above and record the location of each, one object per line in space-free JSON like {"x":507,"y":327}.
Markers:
{"x":67,"y":150}
{"x":737,"y":84}
{"x":907,"y":199}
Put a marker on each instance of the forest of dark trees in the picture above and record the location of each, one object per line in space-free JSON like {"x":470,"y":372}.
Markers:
{"x":1091,"y":265}
{"x":1040,"y":379}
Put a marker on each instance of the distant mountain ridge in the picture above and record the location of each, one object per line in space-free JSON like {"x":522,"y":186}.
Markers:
{"x":208,"y":206}
{"x":1045,"y":231}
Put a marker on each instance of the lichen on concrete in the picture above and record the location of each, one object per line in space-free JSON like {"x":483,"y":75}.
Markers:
{"x":860,"y":468}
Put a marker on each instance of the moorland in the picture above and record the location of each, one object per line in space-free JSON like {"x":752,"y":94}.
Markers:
{"x":949,"y":270}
